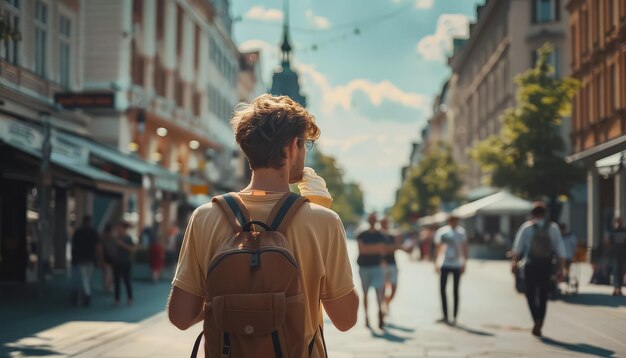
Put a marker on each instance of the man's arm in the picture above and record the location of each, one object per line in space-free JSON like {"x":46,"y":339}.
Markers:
{"x":184,"y":309}
{"x":343,"y":311}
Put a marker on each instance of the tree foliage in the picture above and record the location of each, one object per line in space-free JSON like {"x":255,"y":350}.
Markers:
{"x":528,"y":155}
{"x":434,"y":181}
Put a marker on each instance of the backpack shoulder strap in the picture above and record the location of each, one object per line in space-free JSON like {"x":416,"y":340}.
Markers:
{"x":283,"y":212}
{"x":234,"y":208}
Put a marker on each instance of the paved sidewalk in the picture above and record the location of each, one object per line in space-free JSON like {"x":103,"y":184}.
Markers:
{"x":493,"y":321}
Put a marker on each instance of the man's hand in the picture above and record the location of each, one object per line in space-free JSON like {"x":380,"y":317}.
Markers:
{"x":514,"y":267}
{"x":437,"y":269}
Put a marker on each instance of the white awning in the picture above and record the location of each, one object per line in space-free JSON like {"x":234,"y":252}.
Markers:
{"x":438,"y":218}
{"x":500,"y":203}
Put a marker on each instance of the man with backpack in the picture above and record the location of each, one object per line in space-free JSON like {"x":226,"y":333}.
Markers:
{"x":537,"y":242}
{"x":257,"y":266}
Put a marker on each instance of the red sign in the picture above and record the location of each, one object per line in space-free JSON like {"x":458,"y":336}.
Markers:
{"x":85,"y":100}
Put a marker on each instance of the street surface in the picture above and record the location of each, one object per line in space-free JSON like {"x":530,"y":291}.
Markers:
{"x":493,"y":321}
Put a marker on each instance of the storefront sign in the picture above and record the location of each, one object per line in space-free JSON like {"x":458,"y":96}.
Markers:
{"x":85,"y":100}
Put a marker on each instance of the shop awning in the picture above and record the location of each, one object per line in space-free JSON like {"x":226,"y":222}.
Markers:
{"x":103,"y":155}
{"x":98,"y":178}
{"x":600,"y":151}
{"x":500,"y":203}
{"x":438,"y":218}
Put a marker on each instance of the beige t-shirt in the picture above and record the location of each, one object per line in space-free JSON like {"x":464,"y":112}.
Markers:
{"x":315,"y":233}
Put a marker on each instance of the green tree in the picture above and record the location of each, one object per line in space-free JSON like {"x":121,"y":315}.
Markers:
{"x":434,"y":181}
{"x":528,"y":155}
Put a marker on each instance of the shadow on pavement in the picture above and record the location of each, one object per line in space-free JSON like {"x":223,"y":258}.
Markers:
{"x":595,"y":299}
{"x":388,"y":336}
{"x":579,"y":348}
{"x":31,"y":352}
{"x":31,"y":313}
{"x":399,"y":328}
{"x":472,"y":331}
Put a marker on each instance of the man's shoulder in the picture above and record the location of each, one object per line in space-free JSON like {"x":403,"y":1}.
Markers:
{"x":443,"y":229}
{"x":526,"y":225}
{"x":317,"y":213}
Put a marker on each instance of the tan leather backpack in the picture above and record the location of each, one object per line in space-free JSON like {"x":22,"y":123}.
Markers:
{"x":254,"y":304}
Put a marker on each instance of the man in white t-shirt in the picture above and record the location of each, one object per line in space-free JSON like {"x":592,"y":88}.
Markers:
{"x":451,"y":255}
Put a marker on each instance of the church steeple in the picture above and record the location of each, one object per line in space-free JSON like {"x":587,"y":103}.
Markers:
{"x":285,"y":79}
{"x":286,"y":47}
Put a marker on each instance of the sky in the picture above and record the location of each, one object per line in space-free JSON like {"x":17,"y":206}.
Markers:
{"x":370,"y":70}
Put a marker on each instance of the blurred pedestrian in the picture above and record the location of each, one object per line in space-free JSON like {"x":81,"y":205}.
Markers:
{"x":123,"y":262}
{"x":536,"y":242}
{"x":426,"y":240}
{"x":392,"y":243}
{"x":156,"y":251}
{"x":84,"y":251}
{"x":109,"y":251}
{"x":617,"y":249}
{"x":371,"y":251}
{"x":570,"y":243}
{"x":451,"y":256}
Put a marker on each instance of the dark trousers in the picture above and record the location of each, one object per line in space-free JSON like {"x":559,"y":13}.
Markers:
{"x":537,"y":288}
{"x":122,"y":271}
{"x":456,"y":274}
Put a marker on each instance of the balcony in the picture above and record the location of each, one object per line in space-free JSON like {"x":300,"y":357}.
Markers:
{"x":28,"y":80}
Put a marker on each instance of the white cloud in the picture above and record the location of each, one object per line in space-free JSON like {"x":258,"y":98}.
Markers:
{"x":264,"y":14}
{"x":420,"y":4}
{"x":319,"y":22}
{"x":342,"y":96}
{"x":371,"y":151}
{"x":438,"y":46}
{"x":424,"y":4}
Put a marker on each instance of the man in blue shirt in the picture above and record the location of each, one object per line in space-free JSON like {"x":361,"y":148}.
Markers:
{"x":537,"y":242}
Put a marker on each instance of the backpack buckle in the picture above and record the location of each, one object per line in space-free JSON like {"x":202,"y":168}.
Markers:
{"x":255,"y":260}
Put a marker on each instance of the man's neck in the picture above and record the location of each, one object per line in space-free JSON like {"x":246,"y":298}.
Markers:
{"x":268,"y":179}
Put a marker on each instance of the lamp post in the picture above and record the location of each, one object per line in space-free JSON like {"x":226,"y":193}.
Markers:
{"x":45,"y":181}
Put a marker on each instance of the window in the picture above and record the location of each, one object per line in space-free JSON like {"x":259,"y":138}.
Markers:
{"x":41,"y":33}
{"x":11,"y":47}
{"x":553,"y":60}
{"x":64,"y":50}
{"x":597,"y":100}
{"x":613,"y":90}
{"x":545,"y":11}
{"x":596,"y":22}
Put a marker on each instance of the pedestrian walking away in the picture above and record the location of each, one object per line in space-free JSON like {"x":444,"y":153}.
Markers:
{"x":537,"y":242}
{"x":123,"y":262}
{"x":108,"y":245}
{"x":372,"y":245}
{"x":278,"y":256}
{"x":84,"y":253}
{"x":570,"y":243}
{"x":157,"y":252}
{"x":392,"y":244}
{"x":451,"y":256}
{"x":617,"y":249}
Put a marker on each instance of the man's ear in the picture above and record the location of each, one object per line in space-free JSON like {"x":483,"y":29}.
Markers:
{"x":293,"y":147}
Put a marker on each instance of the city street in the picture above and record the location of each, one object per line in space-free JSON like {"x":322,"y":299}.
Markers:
{"x":493,"y":321}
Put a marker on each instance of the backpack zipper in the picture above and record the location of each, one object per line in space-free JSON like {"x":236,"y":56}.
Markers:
{"x":224,"y":254}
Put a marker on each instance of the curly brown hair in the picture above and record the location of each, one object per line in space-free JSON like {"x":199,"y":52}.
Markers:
{"x":266,"y":126}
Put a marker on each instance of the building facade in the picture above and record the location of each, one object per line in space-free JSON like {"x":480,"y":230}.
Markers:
{"x":598,"y":135}
{"x":174,"y":69}
{"x":114,"y":109}
{"x":502,"y":44}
